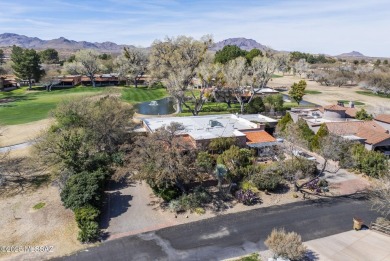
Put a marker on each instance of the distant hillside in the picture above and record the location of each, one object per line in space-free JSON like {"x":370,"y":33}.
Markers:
{"x":9,"y":39}
{"x":353,"y":54}
{"x":243,"y":43}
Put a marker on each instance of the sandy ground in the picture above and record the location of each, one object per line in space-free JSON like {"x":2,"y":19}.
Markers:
{"x":52,"y":225}
{"x":331,"y":94}
{"x":15,"y":134}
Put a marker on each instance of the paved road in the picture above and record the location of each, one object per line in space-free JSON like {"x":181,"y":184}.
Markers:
{"x":233,"y":234}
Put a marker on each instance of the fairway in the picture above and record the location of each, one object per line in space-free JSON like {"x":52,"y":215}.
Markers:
{"x":23,"y":106}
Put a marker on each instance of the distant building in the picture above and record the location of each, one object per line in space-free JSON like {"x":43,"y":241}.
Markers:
{"x":101,"y":79}
{"x":7,"y":82}
{"x":68,"y":81}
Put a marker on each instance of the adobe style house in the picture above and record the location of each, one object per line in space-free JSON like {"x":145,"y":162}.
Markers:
{"x":68,"y":81}
{"x":7,"y":82}
{"x":101,"y":80}
{"x":199,"y":131}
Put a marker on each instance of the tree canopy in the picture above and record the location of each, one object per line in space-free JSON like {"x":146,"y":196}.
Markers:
{"x":26,"y":64}
{"x":297,"y":91}
{"x":49,"y":56}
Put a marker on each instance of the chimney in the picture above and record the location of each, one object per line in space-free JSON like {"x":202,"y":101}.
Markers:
{"x":351,"y":104}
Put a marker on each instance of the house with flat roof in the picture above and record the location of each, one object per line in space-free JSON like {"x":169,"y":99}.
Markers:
{"x":68,"y":81}
{"x":248,"y":130}
{"x":102,"y":79}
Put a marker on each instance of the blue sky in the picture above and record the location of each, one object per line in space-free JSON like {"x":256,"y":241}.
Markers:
{"x":316,"y":26}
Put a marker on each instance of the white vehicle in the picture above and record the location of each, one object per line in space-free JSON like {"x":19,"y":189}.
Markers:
{"x":305,"y":155}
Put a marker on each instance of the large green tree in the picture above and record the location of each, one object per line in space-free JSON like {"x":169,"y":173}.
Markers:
{"x":49,"y":56}
{"x":228,"y":53}
{"x":297,"y":91}
{"x":26,"y":64}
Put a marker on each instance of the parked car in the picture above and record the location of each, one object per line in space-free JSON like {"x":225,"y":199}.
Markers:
{"x":305,"y":155}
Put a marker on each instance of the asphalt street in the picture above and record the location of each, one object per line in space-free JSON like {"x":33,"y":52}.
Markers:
{"x":235,"y":234}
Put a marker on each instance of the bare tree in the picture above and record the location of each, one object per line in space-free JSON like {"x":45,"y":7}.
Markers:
{"x":87,"y":63}
{"x":301,"y":67}
{"x":132,"y":64}
{"x":235,"y":72}
{"x":174,"y":62}
{"x":379,"y":195}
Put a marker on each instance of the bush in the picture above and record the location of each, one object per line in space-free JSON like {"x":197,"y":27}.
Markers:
{"x":247,"y":184}
{"x":246,"y":197}
{"x":89,"y":232}
{"x":268,"y":179}
{"x":255,"y":106}
{"x":286,"y":245}
{"x":169,"y":194}
{"x":86,"y":221}
{"x":82,"y":189}
{"x":191,"y":201}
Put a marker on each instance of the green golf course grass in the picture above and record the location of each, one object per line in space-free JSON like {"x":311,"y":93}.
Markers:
{"x":22,"y":106}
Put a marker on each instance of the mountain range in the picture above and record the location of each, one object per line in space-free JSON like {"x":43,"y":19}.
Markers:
{"x":243,"y":43}
{"x":353,"y":54}
{"x":9,"y":39}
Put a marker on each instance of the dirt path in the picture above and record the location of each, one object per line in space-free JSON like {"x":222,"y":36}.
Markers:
{"x":15,"y":134}
{"x":330,"y":94}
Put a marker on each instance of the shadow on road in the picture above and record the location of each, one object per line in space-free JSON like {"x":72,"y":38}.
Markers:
{"x":115,"y":203}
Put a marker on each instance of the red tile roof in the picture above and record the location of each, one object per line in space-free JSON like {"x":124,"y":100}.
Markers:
{"x":335,"y":107}
{"x":372,"y":132}
{"x":383,"y":118}
{"x":351,"y":112}
{"x":258,"y":137}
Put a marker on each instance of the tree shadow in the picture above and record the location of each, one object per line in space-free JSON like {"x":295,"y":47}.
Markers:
{"x":311,"y":256}
{"x":115,"y":203}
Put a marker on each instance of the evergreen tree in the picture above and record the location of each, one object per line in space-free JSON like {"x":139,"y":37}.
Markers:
{"x":297,"y":91}
{"x":362,"y":114}
{"x":228,"y":53}
{"x":26,"y":64}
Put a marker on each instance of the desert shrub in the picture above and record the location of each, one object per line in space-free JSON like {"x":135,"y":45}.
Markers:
{"x":372,"y":163}
{"x":175,"y":206}
{"x":248,"y":184}
{"x":89,"y":232}
{"x":251,"y":257}
{"x":268,"y":179}
{"x":86,"y":221}
{"x":286,"y":245}
{"x":197,"y":199}
{"x":246,"y":197}
{"x":200,"y":211}
{"x":168,"y":194}
{"x":298,"y":168}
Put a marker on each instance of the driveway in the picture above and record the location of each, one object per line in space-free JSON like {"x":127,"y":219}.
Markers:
{"x":129,"y":210}
{"x":353,"y":245}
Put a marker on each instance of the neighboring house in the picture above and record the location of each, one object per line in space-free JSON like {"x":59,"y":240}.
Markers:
{"x":383,"y":120}
{"x":7,"y":82}
{"x":341,"y":121}
{"x":101,"y":80}
{"x":68,"y":81}
{"x":369,"y":133}
{"x":248,"y":130}
{"x":317,"y":116}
